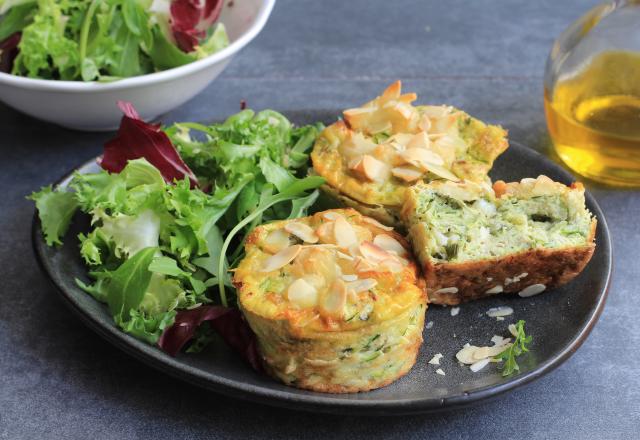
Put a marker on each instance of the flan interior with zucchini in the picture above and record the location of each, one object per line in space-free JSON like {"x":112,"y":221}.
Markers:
{"x":377,"y":151}
{"x":474,"y":240}
{"x":335,"y":300}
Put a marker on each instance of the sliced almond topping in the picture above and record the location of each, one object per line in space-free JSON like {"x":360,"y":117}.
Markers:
{"x":363,"y":265}
{"x":374,"y":169}
{"x":407,"y":174}
{"x":276,"y":240}
{"x":443,"y":172}
{"x":475,"y":367}
{"x":344,"y":233}
{"x":392,"y":264}
{"x":452,"y":142}
{"x":392,"y":92}
{"x":331,"y":215}
{"x":425,"y":123}
{"x":420,"y":140}
{"x":372,"y":252}
{"x":444,"y":124}
{"x":333,"y":300}
{"x":344,"y":256}
{"x":302,"y":231}
{"x":376,"y":223}
{"x":421,"y":158}
{"x":532,"y":290}
{"x":355,"y":164}
{"x":349,"y":277}
{"x":362,"y":285}
{"x":494,"y":312}
{"x":388,"y":243}
{"x":282,"y":258}
{"x":513,"y":330}
{"x":435,"y":111}
{"x":302,"y":294}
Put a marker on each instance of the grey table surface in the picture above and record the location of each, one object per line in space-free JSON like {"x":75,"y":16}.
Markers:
{"x":60,"y":380}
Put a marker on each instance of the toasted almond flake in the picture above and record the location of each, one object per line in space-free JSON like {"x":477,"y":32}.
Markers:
{"x":291,"y":366}
{"x":444,"y":124}
{"x":489,"y":279}
{"x":451,"y":142}
{"x":302,"y":231}
{"x":362,"y":285}
{"x":440,"y":372}
{"x":376,"y":223}
{"x":302,"y":294}
{"x":455,"y":311}
{"x":443,"y":172}
{"x":429,"y":325}
{"x":344,"y":233}
{"x":374,"y":169}
{"x":485,"y":352}
{"x":282,"y":258}
{"x":406,"y":174}
{"x":435,"y":360}
{"x":392,"y":265}
{"x":388,"y":243}
{"x":494,"y":290}
{"x":498,"y":340}
{"x":363,"y":265}
{"x":465,"y":354}
{"x":494,"y":312}
{"x":276,"y":240}
{"x":475,"y":367}
{"x":333,"y":300}
{"x":325,"y":231}
{"x":344,"y":256}
{"x":499,"y":318}
{"x":446,"y":290}
{"x":470,"y":354}
{"x":349,"y":277}
{"x":331,"y":215}
{"x":532,"y":290}
{"x":355,"y":163}
{"x":435,"y":111}
{"x":420,"y":140}
{"x":421,"y":158}
{"x":425,"y":123}
{"x":513,"y":330}
{"x":372,"y":252}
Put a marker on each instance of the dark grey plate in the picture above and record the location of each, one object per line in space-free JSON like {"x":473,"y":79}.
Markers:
{"x":559,"y":321}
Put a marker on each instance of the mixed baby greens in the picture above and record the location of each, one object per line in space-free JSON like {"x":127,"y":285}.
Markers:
{"x":164,"y":237}
{"x":106,"y":39}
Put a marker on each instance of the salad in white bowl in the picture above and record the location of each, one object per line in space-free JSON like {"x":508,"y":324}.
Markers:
{"x":69,"y":61}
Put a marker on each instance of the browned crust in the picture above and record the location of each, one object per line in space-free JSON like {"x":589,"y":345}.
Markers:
{"x":550,"y":267}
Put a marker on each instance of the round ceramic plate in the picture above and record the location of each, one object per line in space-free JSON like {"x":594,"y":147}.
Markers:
{"x":559,"y":321}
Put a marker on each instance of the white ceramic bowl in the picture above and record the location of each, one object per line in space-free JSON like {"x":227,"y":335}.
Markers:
{"x":92,"y":106}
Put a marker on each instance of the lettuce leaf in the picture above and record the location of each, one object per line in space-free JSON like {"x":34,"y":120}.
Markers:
{"x":55,"y":209}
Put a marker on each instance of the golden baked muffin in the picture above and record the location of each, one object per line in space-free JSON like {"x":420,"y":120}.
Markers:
{"x":475,"y":241}
{"x":334,"y":299}
{"x":378,"y":150}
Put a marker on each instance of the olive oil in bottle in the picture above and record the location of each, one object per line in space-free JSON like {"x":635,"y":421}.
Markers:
{"x":594,"y":118}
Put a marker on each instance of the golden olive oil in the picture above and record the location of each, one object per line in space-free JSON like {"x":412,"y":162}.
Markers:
{"x":594,"y":119}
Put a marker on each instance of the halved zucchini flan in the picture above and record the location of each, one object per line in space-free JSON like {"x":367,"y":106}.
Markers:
{"x":475,"y":241}
{"x":380,"y":149}
{"x":334,"y":299}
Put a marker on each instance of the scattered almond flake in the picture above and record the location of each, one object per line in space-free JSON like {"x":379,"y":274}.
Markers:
{"x":513,"y":330}
{"x":344,"y":256}
{"x":302,"y":231}
{"x":344,"y":233}
{"x":446,"y":290}
{"x":495,"y":289}
{"x":391,"y":264}
{"x":407,"y":174}
{"x":276,"y":240}
{"x":330,"y":215}
{"x":470,"y":354}
{"x":348,"y":277}
{"x":281,"y":259}
{"x":362,"y":285}
{"x":495,"y":312}
{"x":302,"y":294}
{"x":429,"y":325}
{"x":372,"y":252}
{"x":388,"y":243}
{"x":532,"y":290}
{"x":515,"y":279}
{"x":499,"y":318}
{"x":421,"y":158}
{"x":455,"y":311}
{"x":373,"y":169}
{"x":489,"y":279}
{"x":497,"y":339}
{"x":376,"y":223}
{"x":441,"y":171}
{"x":440,"y":372}
{"x":435,"y":360}
{"x":333,"y":300}
{"x":477,"y":366}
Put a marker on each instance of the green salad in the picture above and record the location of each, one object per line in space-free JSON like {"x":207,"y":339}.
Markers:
{"x":172,"y":208}
{"x":105,"y":40}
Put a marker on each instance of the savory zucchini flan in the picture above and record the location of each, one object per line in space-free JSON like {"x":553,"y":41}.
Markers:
{"x":380,"y":149}
{"x":334,"y":299}
{"x":473,"y":240}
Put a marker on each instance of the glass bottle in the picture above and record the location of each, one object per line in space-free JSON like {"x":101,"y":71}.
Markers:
{"x":592,"y":94}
